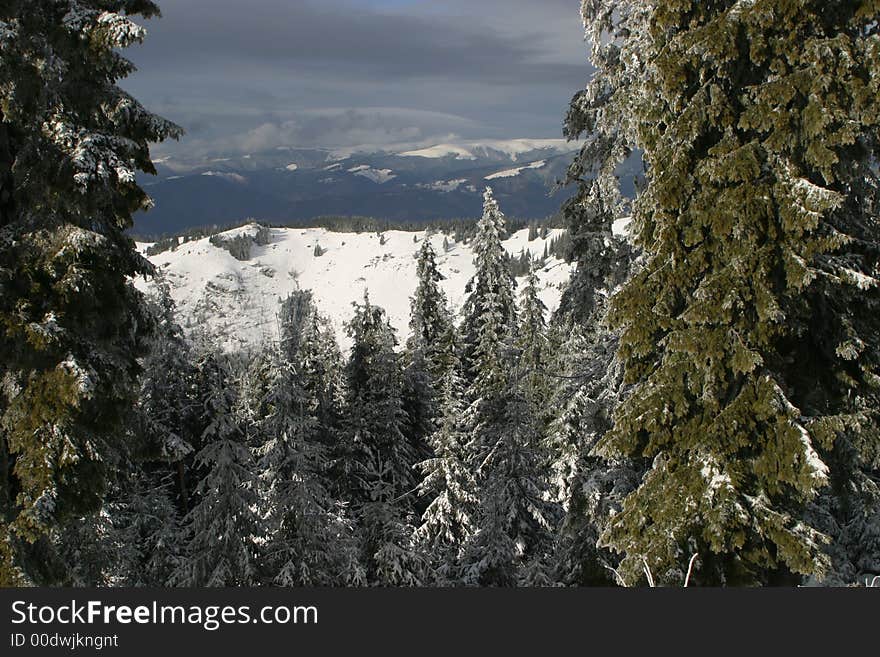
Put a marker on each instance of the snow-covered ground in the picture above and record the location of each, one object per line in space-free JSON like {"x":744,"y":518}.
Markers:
{"x":513,"y":148}
{"x":447,"y":185}
{"x":238,"y":300}
{"x":512,"y":173}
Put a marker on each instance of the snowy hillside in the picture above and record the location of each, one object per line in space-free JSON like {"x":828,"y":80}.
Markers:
{"x":238,"y":300}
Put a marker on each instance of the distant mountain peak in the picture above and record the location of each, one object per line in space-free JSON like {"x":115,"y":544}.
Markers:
{"x":513,"y":149}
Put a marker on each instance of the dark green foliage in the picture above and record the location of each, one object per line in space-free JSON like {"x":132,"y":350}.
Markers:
{"x":430,"y":318}
{"x":603,"y":259}
{"x":532,"y":344}
{"x":263,"y":236}
{"x":751,"y":334}
{"x":167,"y":400}
{"x":239,"y":247}
{"x":590,"y":489}
{"x":144,"y":533}
{"x":374,"y":413}
{"x":509,"y":529}
{"x":427,"y":352}
{"x":309,"y":536}
{"x":522,"y":264}
{"x":71,"y":325}
{"x":512,"y":538}
{"x":222,"y":529}
{"x":375,"y":458}
{"x":162,"y":245}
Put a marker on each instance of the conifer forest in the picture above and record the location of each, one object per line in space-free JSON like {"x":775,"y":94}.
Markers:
{"x":702,"y":408}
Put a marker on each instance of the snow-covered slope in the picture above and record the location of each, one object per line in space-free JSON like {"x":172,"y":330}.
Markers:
{"x":512,"y":173}
{"x":237,"y":301}
{"x":511,"y":148}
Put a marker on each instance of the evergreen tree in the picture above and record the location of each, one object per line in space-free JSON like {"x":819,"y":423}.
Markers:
{"x":751,"y":333}
{"x":604,"y":260}
{"x":449,"y":520}
{"x":532,"y":344}
{"x":87,"y":544}
{"x":603,"y":116}
{"x":377,"y":459}
{"x":310,"y":538}
{"x":512,"y":541}
{"x":419,"y":399}
{"x":589,"y":387}
{"x":589,"y":489}
{"x":426,"y":354}
{"x":220,"y":531}
{"x":307,"y":339}
{"x":390,"y":555}
{"x":167,"y":411}
{"x":253,"y":377}
{"x":430,"y":319}
{"x":72,"y":324}
{"x":374,"y":414}
{"x":490,"y":309}
{"x":145,"y":533}
{"x":512,"y":521}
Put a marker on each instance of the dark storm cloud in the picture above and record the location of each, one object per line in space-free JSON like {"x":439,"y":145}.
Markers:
{"x":408,"y":70}
{"x":349,"y":43}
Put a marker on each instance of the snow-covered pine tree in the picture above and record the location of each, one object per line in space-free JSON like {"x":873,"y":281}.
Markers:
{"x":390,"y":555}
{"x":253,"y":372}
{"x":751,"y":334}
{"x":220,"y":531}
{"x":513,"y":520}
{"x":513,"y":537}
{"x":449,"y":484}
{"x":490,"y":309}
{"x":374,"y":414}
{"x":588,"y":488}
{"x":487,"y":334}
{"x":310,"y":538}
{"x":488,"y":328}
{"x":588,"y":383}
{"x":430,"y":318}
{"x":307,"y":339}
{"x":294,"y":315}
{"x":532,"y":344}
{"x":420,"y":403}
{"x":603,"y":116}
{"x":376,"y":458}
{"x":70,"y":143}
{"x":145,"y":531}
{"x":426,"y":354}
{"x":87,"y":545}
{"x":167,"y":413}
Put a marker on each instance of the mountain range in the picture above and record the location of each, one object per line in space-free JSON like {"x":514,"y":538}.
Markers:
{"x":287,"y":185}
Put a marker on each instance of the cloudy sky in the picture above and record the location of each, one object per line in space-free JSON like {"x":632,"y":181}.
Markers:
{"x":244,"y":75}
